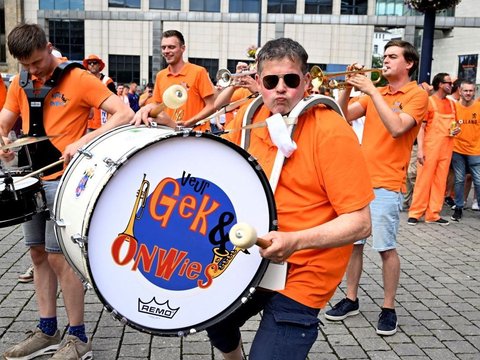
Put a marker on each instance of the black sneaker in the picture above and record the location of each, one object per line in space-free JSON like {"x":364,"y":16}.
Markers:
{"x":387,"y":322}
{"x":457,"y":214}
{"x":439,"y":222}
{"x":412,"y":221}
{"x":449,"y":201}
{"x":342,"y":309}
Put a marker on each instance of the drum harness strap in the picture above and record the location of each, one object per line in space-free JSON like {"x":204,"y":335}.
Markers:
{"x":42,"y":153}
{"x":299,"y":109}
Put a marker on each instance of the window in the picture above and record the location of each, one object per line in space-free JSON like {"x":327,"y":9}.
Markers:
{"x":354,"y":7}
{"x":210,"y":64}
{"x":318,"y":6}
{"x":61,"y":4}
{"x":205,"y":5}
{"x":133,"y":4}
{"x":68,"y":36}
{"x":124,"y":68}
{"x":375,"y":49}
{"x":398,"y":7}
{"x":165,"y":4}
{"x":244,"y":6}
{"x":282,"y":6}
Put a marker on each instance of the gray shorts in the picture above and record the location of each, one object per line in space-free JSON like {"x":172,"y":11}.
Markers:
{"x":39,"y":230}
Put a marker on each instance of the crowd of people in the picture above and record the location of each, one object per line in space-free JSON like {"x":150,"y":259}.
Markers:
{"x":412,"y":137}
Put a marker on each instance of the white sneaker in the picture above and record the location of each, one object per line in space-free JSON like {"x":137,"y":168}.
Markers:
{"x":475,"y":205}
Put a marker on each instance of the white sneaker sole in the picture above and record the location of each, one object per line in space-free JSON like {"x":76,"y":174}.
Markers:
{"x":46,"y":351}
{"x":388,"y":333}
{"x":343,"y":317}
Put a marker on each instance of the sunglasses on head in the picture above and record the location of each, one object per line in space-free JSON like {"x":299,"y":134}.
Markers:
{"x":92,"y":62}
{"x":271,"y":81}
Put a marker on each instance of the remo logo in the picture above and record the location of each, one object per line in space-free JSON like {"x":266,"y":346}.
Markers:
{"x":177,"y":235}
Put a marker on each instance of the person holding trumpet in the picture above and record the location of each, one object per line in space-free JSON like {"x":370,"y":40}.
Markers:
{"x":65,"y":110}
{"x":393,"y":115}
{"x":195,"y":79}
{"x":241,"y":86}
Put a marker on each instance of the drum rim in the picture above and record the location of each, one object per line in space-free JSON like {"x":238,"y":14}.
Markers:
{"x":245,"y":293}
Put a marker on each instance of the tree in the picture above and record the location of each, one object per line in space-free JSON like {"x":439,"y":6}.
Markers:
{"x":429,"y":9}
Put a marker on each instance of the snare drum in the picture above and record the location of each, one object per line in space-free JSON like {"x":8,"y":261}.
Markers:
{"x":143,"y":215}
{"x":21,"y":200}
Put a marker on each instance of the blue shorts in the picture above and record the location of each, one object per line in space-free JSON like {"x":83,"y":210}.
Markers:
{"x":385,"y":212}
{"x":39,"y":230}
{"x":287,"y":330}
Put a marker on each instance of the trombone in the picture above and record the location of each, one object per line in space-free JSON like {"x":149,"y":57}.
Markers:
{"x":327,"y":79}
{"x":225,"y":78}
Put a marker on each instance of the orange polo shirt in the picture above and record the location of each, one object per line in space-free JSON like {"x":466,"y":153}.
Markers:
{"x":387,"y":157}
{"x":198,"y":84}
{"x":3,"y":92}
{"x":66,"y":107}
{"x":467,"y":142}
{"x":325,"y":177}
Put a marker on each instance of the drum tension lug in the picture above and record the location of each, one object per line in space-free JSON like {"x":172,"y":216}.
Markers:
{"x":119,"y":317}
{"x":86,"y":153}
{"x":79,"y":240}
{"x":110,"y":162}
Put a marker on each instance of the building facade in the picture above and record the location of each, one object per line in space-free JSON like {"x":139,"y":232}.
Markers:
{"x":126,"y":34}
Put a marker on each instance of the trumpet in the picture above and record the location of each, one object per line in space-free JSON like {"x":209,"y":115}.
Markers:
{"x":174,"y":97}
{"x":225,"y":78}
{"x":327,"y":79}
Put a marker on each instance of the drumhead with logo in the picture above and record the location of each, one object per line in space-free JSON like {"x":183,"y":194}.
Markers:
{"x":157,"y":246}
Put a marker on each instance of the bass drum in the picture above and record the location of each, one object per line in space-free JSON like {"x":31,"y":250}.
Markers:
{"x":143,"y":215}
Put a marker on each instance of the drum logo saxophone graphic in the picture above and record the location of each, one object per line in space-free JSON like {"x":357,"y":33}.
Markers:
{"x":177,"y":234}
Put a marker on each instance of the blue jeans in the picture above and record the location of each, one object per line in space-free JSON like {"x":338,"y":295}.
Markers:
{"x":460,"y":163}
{"x":287,"y":330}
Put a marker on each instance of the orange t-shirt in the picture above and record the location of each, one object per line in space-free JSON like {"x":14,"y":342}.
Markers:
{"x":3,"y":92}
{"x":325,"y":177}
{"x":388,"y":157}
{"x":66,"y":107}
{"x":238,"y":94}
{"x":198,"y":84}
{"x":467,"y":142}
{"x":100,"y":116}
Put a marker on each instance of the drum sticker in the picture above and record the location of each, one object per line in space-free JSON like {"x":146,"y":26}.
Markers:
{"x":177,"y":237}
{"x":154,"y":308}
{"x":82,"y":184}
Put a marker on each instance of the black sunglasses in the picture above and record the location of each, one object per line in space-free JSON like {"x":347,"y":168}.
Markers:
{"x":447,"y":82}
{"x":271,"y":81}
{"x":92,"y":62}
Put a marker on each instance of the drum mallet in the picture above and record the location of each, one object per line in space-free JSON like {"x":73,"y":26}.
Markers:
{"x":244,"y":236}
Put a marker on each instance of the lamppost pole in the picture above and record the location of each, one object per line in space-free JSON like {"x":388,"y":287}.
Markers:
{"x":427,"y":46}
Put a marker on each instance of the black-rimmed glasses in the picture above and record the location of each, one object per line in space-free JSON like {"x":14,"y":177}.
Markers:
{"x":271,"y":81}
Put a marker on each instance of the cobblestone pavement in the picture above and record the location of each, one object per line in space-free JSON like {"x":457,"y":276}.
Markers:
{"x":438,"y":305}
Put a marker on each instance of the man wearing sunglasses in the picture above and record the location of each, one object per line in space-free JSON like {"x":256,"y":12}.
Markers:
{"x":95,"y":65}
{"x":322,"y":202}
{"x":393,"y":115}
{"x":435,"y":148}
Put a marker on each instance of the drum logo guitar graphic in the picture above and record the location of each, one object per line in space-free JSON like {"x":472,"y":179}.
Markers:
{"x":177,"y":235}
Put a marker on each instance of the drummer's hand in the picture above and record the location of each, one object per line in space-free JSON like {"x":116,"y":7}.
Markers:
{"x":72,"y":149}
{"x":6,"y":155}
{"x":142,"y":115}
{"x":283,"y":245}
